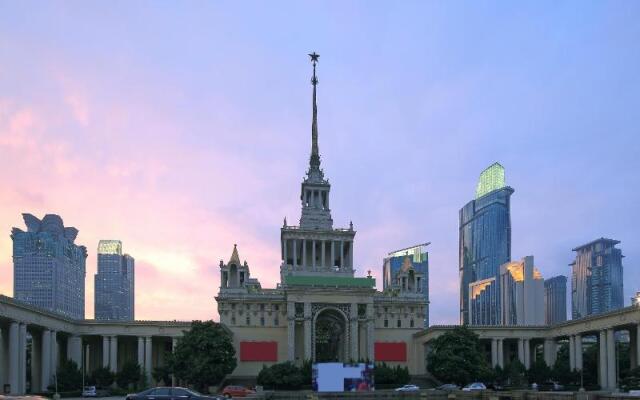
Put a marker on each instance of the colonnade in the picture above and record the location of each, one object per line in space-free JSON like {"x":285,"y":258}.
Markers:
{"x":318,"y":254}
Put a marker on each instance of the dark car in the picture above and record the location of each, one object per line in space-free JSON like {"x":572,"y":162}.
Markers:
{"x":171,"y":393}
{"x":448,"y":387}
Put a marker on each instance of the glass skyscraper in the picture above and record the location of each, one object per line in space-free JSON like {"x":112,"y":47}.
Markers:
{"x":48,"y":267}
{"x":114,"y":283}
{"x":419,"y":258}
{"x":555,"y":300}
{"x":596,"y":278}
{"x":485,"y":242}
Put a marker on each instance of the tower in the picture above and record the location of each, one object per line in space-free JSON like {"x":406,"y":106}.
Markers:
{"x":315,"y":247}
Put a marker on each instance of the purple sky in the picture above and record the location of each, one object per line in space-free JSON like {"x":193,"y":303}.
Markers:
{"x":183,"y":128}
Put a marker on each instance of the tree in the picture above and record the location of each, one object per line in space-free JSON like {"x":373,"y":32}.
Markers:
{"x":129,"y":375}
{"x":103,"y":377}
{"x":204,"y":355}
{"x":69,"y":376}
{"x":456,"y":357}
{"x":539,"y":372}
{"x":162,"y":375}
{"x":515,"y":372}
{"x":561,"y":370}
{"x":631,"y":381}
{"x":281,"y":376}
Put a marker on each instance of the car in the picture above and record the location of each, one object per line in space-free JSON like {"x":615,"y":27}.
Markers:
{"x":89,"y":391}
{"x":448,"y":387}
{"x":408,"y":388}
{"x":236,"y":391}
{"x":171,"y":393}
{"x":550,"y":386}
{"x":474,"y":386}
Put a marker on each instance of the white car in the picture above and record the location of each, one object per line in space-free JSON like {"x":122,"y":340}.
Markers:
{"x":474,"y":386}
{"x":408,"y":388}
{"x":89,"y":391}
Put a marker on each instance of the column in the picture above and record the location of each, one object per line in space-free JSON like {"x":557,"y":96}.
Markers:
{"x":350,"y":254}
{"x":307,"y":331}
{"x":284,"y":251}
{"x":353,"y":330}
{"x":370,"y":335}
{"x":74,"y":349}
{"x":501,"y":353}
{"x":549,"y":352}
{"x":494,"y":352}
{"x":527,"y":354}
{"x":578,"y":343}
{"x":572,"y":352}
{"x":633,"y":350}
{"x":113,"y":354}
{"x":322,"y":257}
{"x":174,"y":343}
{"x":304,"y":253}
{"x":14,"y":355}
{"x":3,"y":360}
{"x":342,"y":254}
{"x":313,"y":254}
{"x":22,"y":384}
{"x":521,"y":350}
{"x":291,"y":331}
{"x":602,"y":362}
{"x":105,"y":351}
{"x":333,"y":254}
{"x":148,"y":361}
{"x":45,"y":361}
{"x":637,"y":344}
{"x":611,"y":360}
{"x":295,"y":254}
{"x":141,"y":352}
{"x":54,"y":352}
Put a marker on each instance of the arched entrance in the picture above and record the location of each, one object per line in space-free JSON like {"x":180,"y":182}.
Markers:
{"x":330,"y":336}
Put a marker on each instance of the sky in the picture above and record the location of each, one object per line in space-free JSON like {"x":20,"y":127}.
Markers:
{"x":182,"y":128}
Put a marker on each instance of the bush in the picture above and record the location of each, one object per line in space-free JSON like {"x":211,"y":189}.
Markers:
{"x":129,"y":375}
{"x":69,"y":377}
{"x":281,"y":376}
{"x":384,"y":374}
{"x":102,"y":377}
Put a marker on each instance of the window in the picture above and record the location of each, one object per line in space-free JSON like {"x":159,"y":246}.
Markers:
{"x":247,"y":306}
{"x":276,"y":307}
{"x":386,"y":309}
{"x":276,"y":322}
{"x":299,"y":309}
{"x":362,"y":310}
{"x":261,"y":307}
{"x":411,"y":309}
{"x":233,"y":306}
{"x":180,"y":392}
{"x":248,"y":320}
{"x":161,"y":392}
{"x":262,"y":321}
{"x":411,"y":323}
{"x":399,"y":324}
{"x":386,"y":323}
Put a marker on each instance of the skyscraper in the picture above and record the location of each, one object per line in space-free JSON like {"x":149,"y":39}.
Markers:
{"x":48,"y":267}
{"x":418,"y":257}
{"x":485,"y":240}
{"x":114,"y":283}
{"x":521,"y":293}
{"x":596,"y":278}
{"x":555,"y":300}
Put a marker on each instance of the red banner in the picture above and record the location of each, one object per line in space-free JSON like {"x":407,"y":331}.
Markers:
{"x":385,"y":351}
{"x":258,"y":351}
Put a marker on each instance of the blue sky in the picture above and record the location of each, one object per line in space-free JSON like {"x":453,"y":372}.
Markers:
{"x":184,"y":127}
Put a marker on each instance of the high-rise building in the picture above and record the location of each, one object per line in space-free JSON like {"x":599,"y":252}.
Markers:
{"x":555,"y":300}
{"x":521,"y":293}
{"x":415,"y":257}
{"x":48,"y":267}
{"x":596,"y":278}
{"x":484,"y":240}
{"x":114,"y":283}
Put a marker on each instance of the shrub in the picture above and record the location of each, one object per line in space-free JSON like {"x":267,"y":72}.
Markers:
{"x":281,"y":376}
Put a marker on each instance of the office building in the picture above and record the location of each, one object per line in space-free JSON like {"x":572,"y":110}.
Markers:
{"x":484,"y":240}
{"x":555,"y":300}
{"x":114,"y":283}
{"x":48,"y":267}
{"x":400,"y":261}
{"x":596,"y":278}
{"x":521,"y":293}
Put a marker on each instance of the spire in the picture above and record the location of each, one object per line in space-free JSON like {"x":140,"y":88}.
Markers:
{"x":235,"y":258}
{"x":314,"y":160}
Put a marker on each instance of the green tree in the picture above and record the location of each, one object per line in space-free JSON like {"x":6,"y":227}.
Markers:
{"x":539,"y":372}
{"x":631,"y":381}
{"x":129,"y":375}
{"x":162,"y":375}
{"x":69,"y":376}
{"x":281,"y":376}
{"x":204,"y":355}
{"x":561,"y":370}
{"x":306,"y":370}
{"x":457,"y":357}
{"x":515,"y":372}
{"x":103,"y":377}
